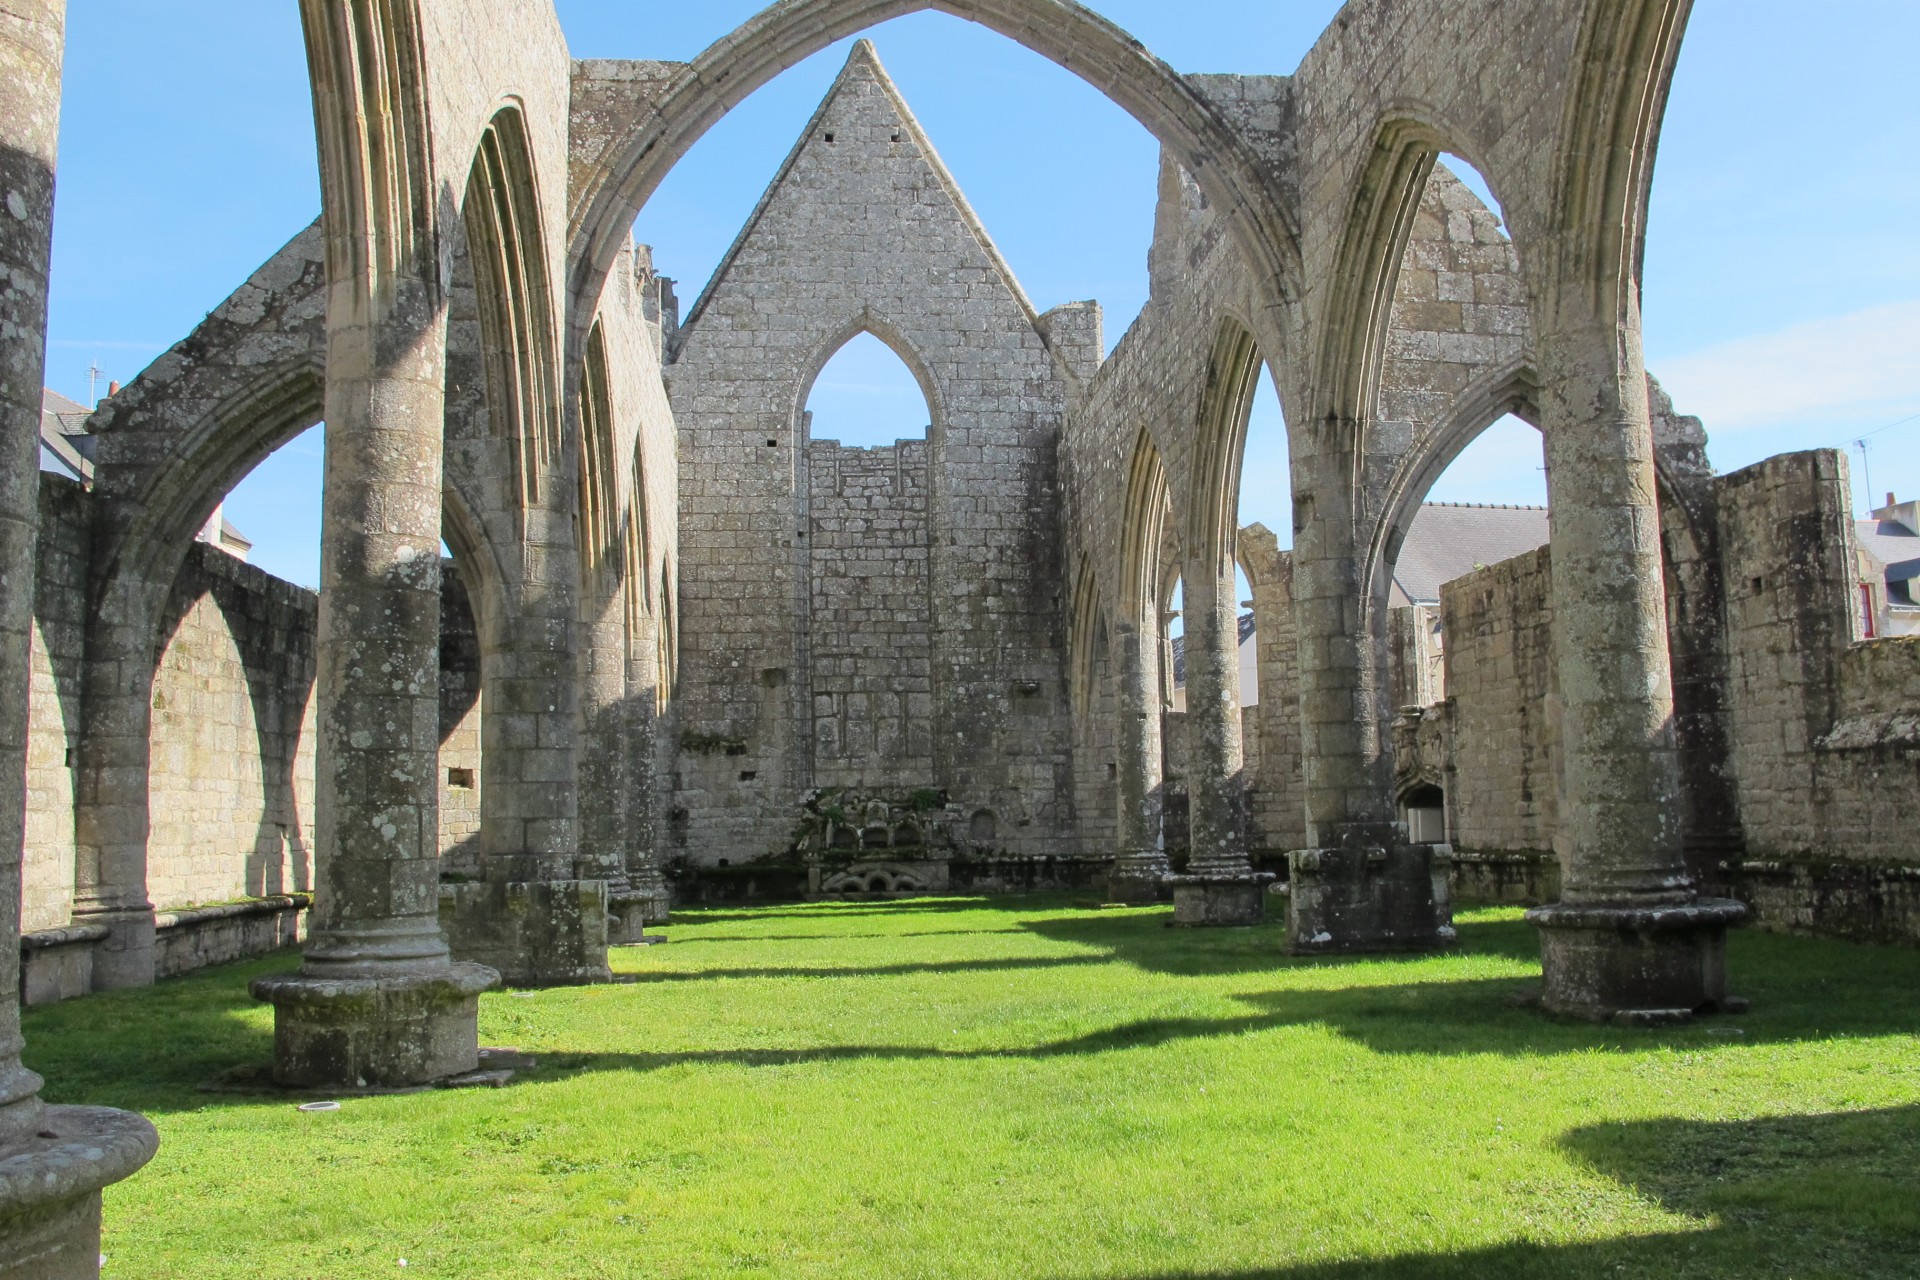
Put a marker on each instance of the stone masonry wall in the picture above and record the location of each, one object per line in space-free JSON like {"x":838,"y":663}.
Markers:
{"x":870,"y":615}
{"x":59,"y":650}
{"x":231,"y":789}
{"x":1503,"y":793}
{"x":864,"y":230}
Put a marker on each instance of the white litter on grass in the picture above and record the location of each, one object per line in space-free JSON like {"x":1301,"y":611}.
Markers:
{"x":319,"y":1106}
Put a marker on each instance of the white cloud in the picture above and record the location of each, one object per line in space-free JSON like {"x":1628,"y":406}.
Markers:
{"x":1845,"y":370}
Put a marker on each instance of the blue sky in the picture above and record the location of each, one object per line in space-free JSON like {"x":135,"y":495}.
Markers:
{"x":1782,"y":288}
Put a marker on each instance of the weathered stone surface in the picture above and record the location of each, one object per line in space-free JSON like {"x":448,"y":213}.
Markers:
{"x":385,"y":1032}
{"x":545,"y":933}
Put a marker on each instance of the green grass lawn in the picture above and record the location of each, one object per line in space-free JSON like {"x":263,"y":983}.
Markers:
{"x":1033,"y":1088}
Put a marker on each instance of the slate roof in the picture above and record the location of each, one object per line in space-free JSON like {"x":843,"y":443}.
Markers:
{"x":1448,"y":540}
{"x":66,"y":448}
{"x":1895,"y":546}
{"x":63,"y":435}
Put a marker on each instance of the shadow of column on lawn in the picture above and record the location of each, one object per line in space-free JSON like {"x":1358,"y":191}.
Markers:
{"x":1832,"y":1195}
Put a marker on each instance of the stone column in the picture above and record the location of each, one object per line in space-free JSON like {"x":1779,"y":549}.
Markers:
{"x":54,"y":1161}
{"x":1630,"y":939}
{"x":1360,"y":886}
{"x":646,"y":880}
{"x":379,"y":1001}
{"x":613,"y":772}
{"x":1140,"y":866}
{"x":1220,"y":886}
{"x":111,"y":817}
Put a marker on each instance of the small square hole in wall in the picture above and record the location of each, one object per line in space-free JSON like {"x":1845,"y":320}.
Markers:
{"x":69,"y":757}
{"x":896,"y":137}
{"x":1113,"y":770}
{"x":773,"y":444}
{"x":829,"y":135}
{"x":748,"y":775}
{"x":1759,"y":585}
{"x":460,"y":778}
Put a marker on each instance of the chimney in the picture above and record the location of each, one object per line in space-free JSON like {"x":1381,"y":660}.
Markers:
{"x":1892,"y":501}
{"x":113,"y":389}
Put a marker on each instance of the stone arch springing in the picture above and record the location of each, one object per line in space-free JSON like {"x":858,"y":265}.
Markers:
{"x":518,"y":333}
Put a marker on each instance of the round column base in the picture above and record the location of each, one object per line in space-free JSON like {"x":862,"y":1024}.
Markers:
{"x":355,"y":1033}
{"x":1636,"y":965}
{"x":1220,"y":901}
{"x":50,"y":1184}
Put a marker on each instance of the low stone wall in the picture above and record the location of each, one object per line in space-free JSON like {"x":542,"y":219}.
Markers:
{"x":200,"y":937}
{"x":57,"y":964}
{"x":1861,"y":902}
{"x":1519,"y":878}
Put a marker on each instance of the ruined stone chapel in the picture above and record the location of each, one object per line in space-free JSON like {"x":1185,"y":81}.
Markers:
{"x":685,"y":650}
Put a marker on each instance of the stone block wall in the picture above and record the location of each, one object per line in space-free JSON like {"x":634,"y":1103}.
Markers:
{"x":231,"y":780}
{"x":1822,"y":731}
{"x":53,"y":731}
{"x":1503,"y":791}
{"x":870,"y":616}
{"x":1270,"y":731}
{"x":1786,"y":539}
{"x":864,"y":230}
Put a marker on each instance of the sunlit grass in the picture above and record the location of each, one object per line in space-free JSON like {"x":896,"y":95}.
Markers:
{"x":1034,"y":1088}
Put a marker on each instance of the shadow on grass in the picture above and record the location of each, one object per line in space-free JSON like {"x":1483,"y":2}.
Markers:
{"x":1818,"y":1195}
{"x":1008,"y":964}
{"x":150,"y":1049}
{"x":836,"y":910}
{"x":836,"y":936}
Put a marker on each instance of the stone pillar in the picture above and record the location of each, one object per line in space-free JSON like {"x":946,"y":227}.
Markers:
{"x":379,"y":1000}
{"x":646,"y":880}
{"x":54,"y":1161}
{"x":1361,"y":886}
{"x":612,"y":788}
{"x":1630,"y":939}
{"x":1140,"y":866}
{"x":111,"y":816}
{"x":1220,"y":886}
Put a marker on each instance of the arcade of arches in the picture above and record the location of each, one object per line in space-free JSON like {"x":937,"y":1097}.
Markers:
{"x":685,"y":649}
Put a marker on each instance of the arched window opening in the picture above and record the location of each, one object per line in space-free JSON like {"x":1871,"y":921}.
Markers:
{"x":1469,"y":177}
{"x":1266,"y":467}
{"x":1266,"y":500}
{"x":866,"y":397}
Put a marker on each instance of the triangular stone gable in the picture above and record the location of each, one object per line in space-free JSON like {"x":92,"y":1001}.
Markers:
{"x":863,"y":138}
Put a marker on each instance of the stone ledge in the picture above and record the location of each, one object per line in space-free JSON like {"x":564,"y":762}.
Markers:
{"x":72,"y":935}
{"x":187,"y":917}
